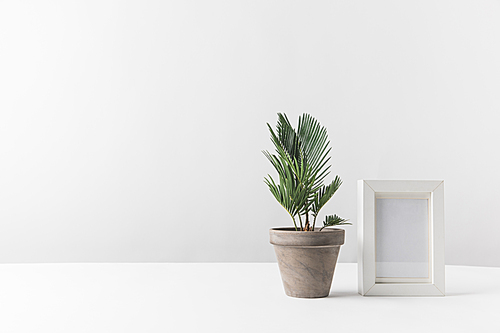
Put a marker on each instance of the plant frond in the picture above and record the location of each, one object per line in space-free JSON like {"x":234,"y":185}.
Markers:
{"x":324,"y":194}
{"x":313,"y":138}
{"x":288,"y":192}
{"x":332,"y":220}
{"x":301,"y":161}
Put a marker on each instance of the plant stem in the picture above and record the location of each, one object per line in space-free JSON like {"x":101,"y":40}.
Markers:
{"x":300,"y":223}
{"x":307,"y":227}
{"x":314,"y":221}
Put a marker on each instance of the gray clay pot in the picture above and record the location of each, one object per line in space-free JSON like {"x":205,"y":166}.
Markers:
{"x":307,"y":259}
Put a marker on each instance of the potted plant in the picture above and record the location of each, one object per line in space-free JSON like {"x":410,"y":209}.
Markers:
{"x":306,"y":255}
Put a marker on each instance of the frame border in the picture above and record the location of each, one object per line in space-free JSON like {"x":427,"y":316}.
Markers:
{"x":366,"y":238}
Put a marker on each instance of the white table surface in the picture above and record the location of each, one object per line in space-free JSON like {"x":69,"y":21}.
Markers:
{"x":229,"y":297}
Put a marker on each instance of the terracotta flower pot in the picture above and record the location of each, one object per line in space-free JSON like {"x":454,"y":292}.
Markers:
{"x":307,"y":259}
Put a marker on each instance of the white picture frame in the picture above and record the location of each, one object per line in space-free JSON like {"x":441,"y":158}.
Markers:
{"x":409,"y":209}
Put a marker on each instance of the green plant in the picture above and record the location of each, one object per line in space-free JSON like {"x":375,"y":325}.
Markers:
{"x":301,"y":162}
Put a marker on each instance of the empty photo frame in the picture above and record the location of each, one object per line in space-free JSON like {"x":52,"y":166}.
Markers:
{"x":401,"y":237}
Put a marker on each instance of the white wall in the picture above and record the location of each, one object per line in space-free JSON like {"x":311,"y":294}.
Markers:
{"x":132,"y":131}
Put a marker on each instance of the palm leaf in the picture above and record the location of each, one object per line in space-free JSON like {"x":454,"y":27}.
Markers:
{"x":324,"y":194}
{"x":332,"y":220}
{"x":313,"y":138}
{"x":301,"y":161}
{"x":288,"y":192}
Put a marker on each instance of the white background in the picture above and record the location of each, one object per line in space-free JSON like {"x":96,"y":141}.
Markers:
{"x":132,"y":131}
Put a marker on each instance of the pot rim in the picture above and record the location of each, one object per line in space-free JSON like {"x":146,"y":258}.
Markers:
{"x":287,"y":236}
{"x":292,"y":230}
